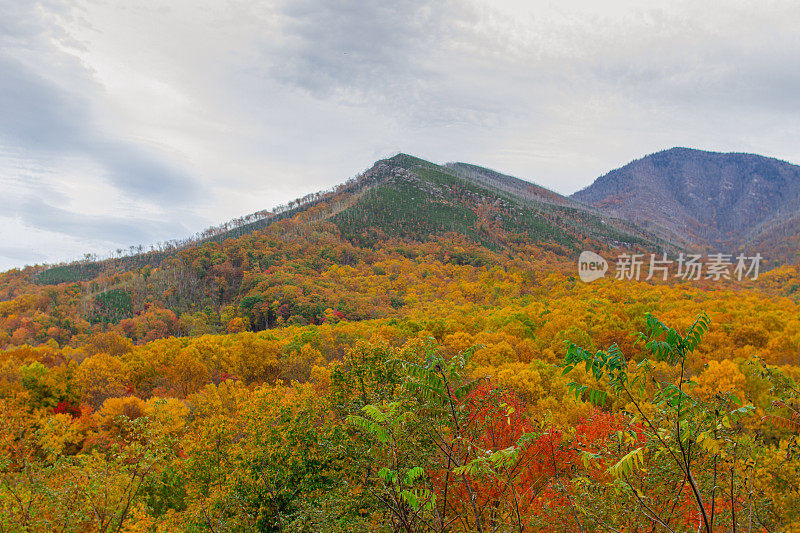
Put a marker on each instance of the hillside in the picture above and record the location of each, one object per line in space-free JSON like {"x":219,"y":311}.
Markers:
{"x":722,"y":201}
{"x":417,"y":200}
{"x":411,"y":351}
{"x":407,"y":199}
{"x":258,"y":271}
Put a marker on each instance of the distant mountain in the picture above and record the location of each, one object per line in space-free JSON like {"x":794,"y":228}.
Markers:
{"x":678,"y":198}
{"x":694,"y":198}
{"x":404,"y":198}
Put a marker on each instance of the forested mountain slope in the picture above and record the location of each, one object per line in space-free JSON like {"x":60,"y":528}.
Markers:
{"x":721,"y":201}
{"x":408,"y":199}
{"x":258,"y":272}
{"x":411,"y":351}
{"x":417,"y":200}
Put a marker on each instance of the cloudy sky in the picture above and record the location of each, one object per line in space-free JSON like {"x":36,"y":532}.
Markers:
{"x":135,"y":122}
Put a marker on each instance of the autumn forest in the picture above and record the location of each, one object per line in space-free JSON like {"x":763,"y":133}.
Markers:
{"x":411,"y":352}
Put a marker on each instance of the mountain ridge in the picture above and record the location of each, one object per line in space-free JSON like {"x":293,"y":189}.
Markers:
{"x":703,"y":199}
{"x":662,"y":199}
{"x":407,"y":198}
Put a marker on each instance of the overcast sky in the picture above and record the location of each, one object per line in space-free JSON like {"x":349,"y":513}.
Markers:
{"x":135,"y":122}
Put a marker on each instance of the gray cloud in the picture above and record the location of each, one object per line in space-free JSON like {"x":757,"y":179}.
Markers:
{"x":38,"y":214}
{"x":49,"y":121}
{"x":45,"y":116}
{"x":21,"y":255}
{"x":35,"y":203}
{"x":354,"y":50}
{"x":445,"y":64}
{"x":35,"y":114}
{"x":395,"y":56}
{"x":262,"y":101}
{"x":39,"y":116}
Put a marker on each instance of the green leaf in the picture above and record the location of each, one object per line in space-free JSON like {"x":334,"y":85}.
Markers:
{"x":413,"y":474}
{"x":630,"y":463}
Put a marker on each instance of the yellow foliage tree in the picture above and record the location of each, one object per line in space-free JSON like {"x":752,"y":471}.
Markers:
{"x":720,"y":377}
{"x":100,"y":377}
